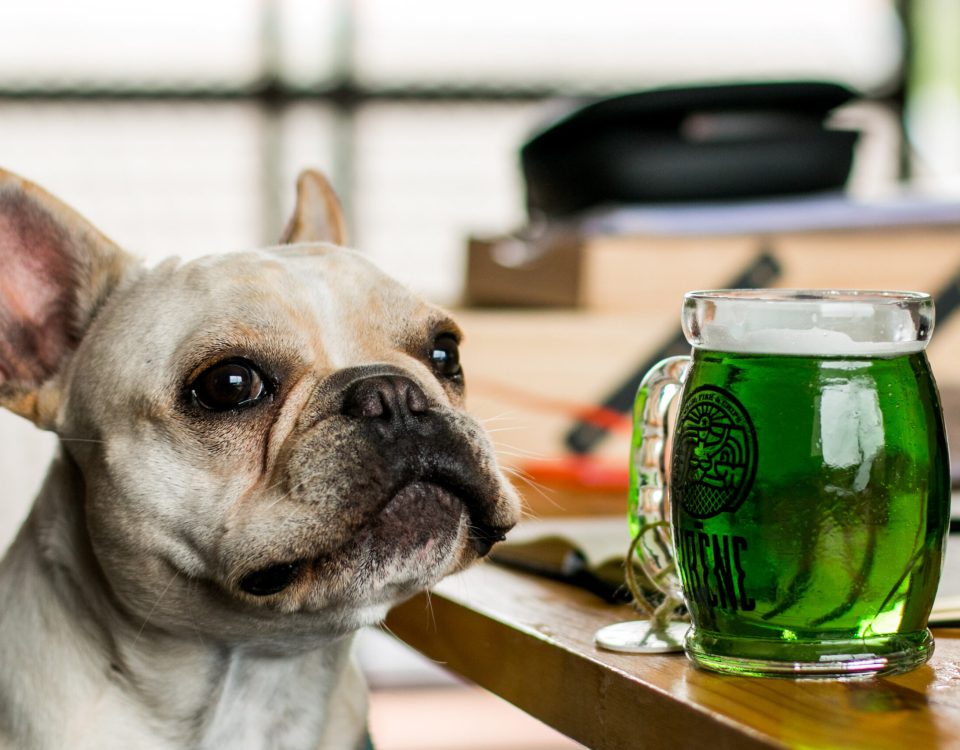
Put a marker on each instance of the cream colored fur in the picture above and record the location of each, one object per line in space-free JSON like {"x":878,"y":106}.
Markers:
{"x":125,"y":619}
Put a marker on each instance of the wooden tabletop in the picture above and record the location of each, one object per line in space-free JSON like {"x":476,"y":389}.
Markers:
{"x":530,"y":641}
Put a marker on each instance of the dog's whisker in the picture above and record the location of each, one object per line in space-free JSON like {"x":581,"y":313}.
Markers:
{"x":505,"y":428}
{"x":516,"y":454}
{"x":285,"y":495}
{"x":526,"y":514}
{"x":509,"y":414}
{"x":506,"y":448}
{"x":176,"y":574}
{"x":386,"y":628}
{"x":296,"y":508}
{"x":289,"y":493}
{"x":542,"y":490}
{"x":545,"y":495}
{"x":82,"y":440}
{"x":521,"y":473}
{"x":433,"y":614}
{"x":275,"y":485}
{"x":195,"y":584}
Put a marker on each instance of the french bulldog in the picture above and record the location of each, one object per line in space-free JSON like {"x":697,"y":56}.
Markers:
{"x":259,"y":453}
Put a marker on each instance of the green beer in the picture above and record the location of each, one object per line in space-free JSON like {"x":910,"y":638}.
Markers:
{"x":809,"y":494}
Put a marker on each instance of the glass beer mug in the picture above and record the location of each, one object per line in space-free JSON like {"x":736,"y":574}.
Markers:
{"x":807,"y":489}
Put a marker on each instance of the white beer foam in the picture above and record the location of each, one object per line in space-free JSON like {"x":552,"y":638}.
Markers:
{"x":831,"y":328}
{"x":814,"y":342}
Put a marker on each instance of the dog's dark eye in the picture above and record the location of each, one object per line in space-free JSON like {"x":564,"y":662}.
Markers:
{"x":270,"y":580}
{"x":445,"y":356}
{"x":233,"y":384}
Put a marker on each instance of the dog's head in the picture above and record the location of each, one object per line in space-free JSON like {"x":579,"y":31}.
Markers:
{"x":271,"y":443}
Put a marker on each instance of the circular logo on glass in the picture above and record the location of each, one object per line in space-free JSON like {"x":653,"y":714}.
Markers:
{"x":714,"y":453}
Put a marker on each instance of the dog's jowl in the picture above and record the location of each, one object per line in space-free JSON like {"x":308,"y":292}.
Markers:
{"x":260,"y":452}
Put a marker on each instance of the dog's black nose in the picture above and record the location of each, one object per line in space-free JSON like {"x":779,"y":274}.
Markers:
{"x":393,"y":403}
{"x":483,"y":537}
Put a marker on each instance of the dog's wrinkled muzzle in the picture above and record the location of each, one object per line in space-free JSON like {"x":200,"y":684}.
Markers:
{"x":411,"y":472}
{"x":397,"y":413}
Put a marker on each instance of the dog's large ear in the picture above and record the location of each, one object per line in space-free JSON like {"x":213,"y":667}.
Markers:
{"x":56,"y":271}
{"x":317,"y":216}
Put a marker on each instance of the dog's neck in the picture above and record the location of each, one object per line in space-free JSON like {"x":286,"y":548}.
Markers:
{"x":57,"y":616}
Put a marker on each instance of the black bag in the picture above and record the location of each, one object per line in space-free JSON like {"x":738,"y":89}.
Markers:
{"x":689,"y":144}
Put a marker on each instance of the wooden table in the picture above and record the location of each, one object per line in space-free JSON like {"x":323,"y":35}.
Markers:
{"x":530,"y":641}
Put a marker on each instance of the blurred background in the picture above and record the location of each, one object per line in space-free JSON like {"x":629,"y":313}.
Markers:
{"x":178,"y":128}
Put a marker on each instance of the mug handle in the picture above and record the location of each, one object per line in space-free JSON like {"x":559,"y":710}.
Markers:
{"x":649,"y":503}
